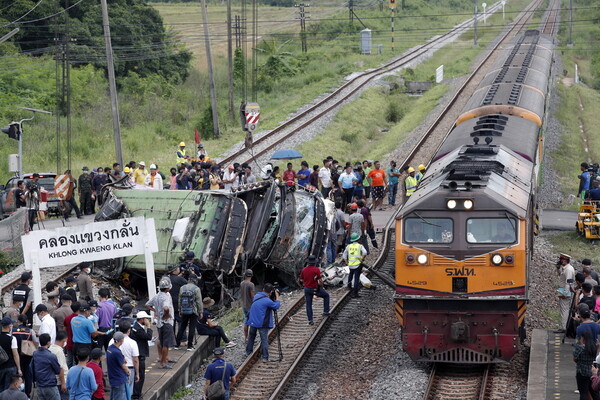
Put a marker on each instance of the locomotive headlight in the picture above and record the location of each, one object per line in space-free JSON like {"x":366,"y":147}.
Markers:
{"x":497,"y":259}
{"x":410,"y":258}
{"x":451,"y":204}
{"x":509,"y":259}
{"x":468,"y":204}
{"x":422,"y":259}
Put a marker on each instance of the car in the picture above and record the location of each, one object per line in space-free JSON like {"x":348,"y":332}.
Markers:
{"x":46,"y":181}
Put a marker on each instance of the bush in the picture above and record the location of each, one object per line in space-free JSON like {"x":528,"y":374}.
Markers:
{"x":394,"y":112}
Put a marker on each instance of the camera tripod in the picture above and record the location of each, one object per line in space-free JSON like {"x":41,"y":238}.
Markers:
{"x":278,"y":332}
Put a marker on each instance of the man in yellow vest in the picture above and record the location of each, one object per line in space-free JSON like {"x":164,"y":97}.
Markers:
{"x":181,"y":157}
{"x":419,"y":175}
{"x":410,"y":183}
{"x":353,"y":257}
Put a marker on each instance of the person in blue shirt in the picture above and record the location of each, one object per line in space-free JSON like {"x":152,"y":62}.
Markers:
{"x":304,"y":174}
{"x":584,"y":180}
{"x":393,"y":173}
{"x":346,"y":181}
{"x":81,"y":381}
{"x":118,"y":373}
{"x":45,"y":367}
{"x":83,"y":329}
{"x":219,"y":370}
{"x":260,"y":319}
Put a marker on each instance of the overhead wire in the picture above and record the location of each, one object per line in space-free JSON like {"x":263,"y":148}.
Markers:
{"x":23,"y":16}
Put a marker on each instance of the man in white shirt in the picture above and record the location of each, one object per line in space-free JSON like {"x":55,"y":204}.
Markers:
{"x":48,"y":324}
{"x":131,"y":353}
{"x":325,"y":178}
{"x":229,"y":177}
{"x":566,"y":277}
{"x":58,"y":350}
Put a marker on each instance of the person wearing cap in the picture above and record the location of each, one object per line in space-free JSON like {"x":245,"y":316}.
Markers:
{"x":153,"y":180}
{"x":356,"y":223}
{"x":81,"y":381}
{"x":162,"y":305}
{"x":84,"y":282}
{"x":45,"y":368}
{"x":310,"y":277}
{"x":141,"y":333}
{"x":24,"y":294}
{"x":15,"y":390}
{"x":202,"y":151}
{"x":58,"y":349}
{"x":230,"y":177}
{"x":219,"y":370}
{"x":207,"y":326}
{"x":12,"y":312}
{"x":53,"y":301}
{"x":131,"y":352}
{"x":261,"y":319}
{"x":118,"y":373}
{"x":419,"y":175}
{"x":190,"y":308}
{"x":48,"y":324}
{"x":353,"y":256}
{"x":70,"y":287}
{"x":410,"y":184}
{"x":94,"y":364}
{"x":247,"y":292}
{"x":61,"y":313}
{"x":83,"y":329}
{"x":139,"y":175}
{"x":566,"y":274}
{"x":105,"y":312}
{"x":22,"y":332}
{"x":182,"y":158}
{"x":9,"y":344}
{"x":84,"y":190}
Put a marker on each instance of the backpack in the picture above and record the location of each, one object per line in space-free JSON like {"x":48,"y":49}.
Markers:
{"x":188,"y":301}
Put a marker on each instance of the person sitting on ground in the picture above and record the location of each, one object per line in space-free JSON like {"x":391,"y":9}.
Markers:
{"x":207,"y":326}
{"x":15,"y":390}
{"x":219,"y":370}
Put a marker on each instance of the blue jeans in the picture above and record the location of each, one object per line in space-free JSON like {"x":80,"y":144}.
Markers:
{"x":393,"y":189}
{"x":331,"y":250}
{"x":130,"y":383}
{"x":118,"y":392}
{"x":48,"y":393}
{"x":264,"y":341}
{"x":319,"y":292}
{"x":354,"y":277}
{"x":6,"y":375}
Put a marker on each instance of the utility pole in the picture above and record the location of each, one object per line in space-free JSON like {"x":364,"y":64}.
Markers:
{"x":570,"y":22}
{"x":475,"y":23}
{"x":230,"y":61}
{"x":254,"y":52}
{"x":303,"y":16}
{"x":351,"y":11}
{"x":393,"y":14}
{"x":213,"y":92}
{"x":112,"y":83}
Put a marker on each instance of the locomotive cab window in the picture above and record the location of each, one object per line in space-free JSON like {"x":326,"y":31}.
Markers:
{"x":428,"y":230}
{"x":491,"y":230}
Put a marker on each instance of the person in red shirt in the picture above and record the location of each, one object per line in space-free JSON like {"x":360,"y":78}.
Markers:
{"x":94,"y":363}
{"x":310,"y":277}
{"x":70,"y":357}
{"x":289,"y":176}
{"x":378,"y":180}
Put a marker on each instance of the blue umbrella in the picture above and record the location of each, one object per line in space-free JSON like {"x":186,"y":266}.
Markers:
{"x":286,"y":154}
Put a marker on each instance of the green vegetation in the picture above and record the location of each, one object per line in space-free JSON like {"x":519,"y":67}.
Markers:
{"x":157,"y":112}
{"x":574,"y":245}
{"x":232,"y":318}
{"x":181,"y":393}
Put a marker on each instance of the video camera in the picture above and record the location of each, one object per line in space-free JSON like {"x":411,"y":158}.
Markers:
{"x":32,"y":186}
{"x":275,"y":292}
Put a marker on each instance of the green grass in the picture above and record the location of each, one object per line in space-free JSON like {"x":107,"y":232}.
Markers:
{"x":232,"y":318}
{"x":181,"y":393}
{"x":574,"y":245}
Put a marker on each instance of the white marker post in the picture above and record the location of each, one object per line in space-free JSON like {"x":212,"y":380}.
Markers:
{"x":484,"y":5}
{"x":439,"y":74}
{"x":503,"y":4}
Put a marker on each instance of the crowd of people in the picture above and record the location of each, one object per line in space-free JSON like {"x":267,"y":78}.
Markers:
{"x":589,"y":182}
{"x":579,"y":298}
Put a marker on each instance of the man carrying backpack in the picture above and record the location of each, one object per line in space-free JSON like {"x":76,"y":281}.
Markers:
{"x":190,"y":308}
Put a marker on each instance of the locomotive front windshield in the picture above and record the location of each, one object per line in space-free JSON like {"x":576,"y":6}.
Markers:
{"x":428,"y":230}
{"x":491,"y":230}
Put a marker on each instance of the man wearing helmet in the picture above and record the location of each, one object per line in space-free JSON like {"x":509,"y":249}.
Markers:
{"x":410,"y":183}
{"x":162,"y":305}
{"x":153,"y":180}
{"x":419,"y":175}
{"x":181,"y":156}
{"x":353,"y":257}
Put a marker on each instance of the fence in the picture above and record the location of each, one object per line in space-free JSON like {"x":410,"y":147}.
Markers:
{"x":11,"y":229}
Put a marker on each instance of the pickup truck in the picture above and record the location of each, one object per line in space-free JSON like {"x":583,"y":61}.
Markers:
{"x":7,"y":193}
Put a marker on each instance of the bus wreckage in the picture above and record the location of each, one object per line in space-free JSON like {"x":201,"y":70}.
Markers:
{"x":262,"y":226}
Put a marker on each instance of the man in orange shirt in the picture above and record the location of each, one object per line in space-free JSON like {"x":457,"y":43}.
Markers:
{"x":378,"y":181}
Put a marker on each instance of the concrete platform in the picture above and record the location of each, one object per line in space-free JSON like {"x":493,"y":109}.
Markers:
{"x":551,"y":367}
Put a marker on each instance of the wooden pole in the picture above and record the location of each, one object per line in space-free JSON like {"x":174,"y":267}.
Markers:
{"x":213,"y":92}
{"x":112,"y":83}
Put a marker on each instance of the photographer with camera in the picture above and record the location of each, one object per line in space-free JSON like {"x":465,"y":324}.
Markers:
{"x":32,"y":199}
{"x":260,"y":318}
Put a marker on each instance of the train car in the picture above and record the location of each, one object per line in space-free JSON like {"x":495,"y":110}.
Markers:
{"x":464,"y":238}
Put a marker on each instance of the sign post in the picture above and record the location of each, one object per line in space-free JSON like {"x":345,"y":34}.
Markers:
{"x":90,"y":242}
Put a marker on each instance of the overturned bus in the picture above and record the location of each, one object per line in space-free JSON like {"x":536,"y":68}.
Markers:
{"x":262,"y":226}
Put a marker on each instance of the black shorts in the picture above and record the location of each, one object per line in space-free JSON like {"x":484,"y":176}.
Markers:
{"x":377,"y":192}
{"x":166,"y":336}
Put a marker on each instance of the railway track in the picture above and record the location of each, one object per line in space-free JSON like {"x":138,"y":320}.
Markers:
{"x":282,"y":133}
{"x":301,"y":343}
{"x":550,"y":24}
{"x":458,"y":382}
{"x":53,"y":274}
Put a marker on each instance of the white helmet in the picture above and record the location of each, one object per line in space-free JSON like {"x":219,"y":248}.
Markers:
{"x":152,"y":166}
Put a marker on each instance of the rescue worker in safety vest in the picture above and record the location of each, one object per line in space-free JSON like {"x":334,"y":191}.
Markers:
{"x":410,"y":183}
{"x":181,"y":157}
{"x":419,"y":175}
{"x":353,"y":257}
